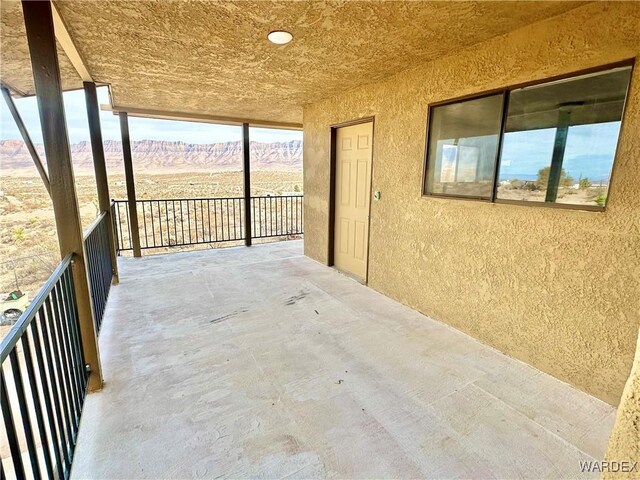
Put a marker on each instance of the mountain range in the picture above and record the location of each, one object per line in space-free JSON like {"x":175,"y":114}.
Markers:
{"x":152,"y":156}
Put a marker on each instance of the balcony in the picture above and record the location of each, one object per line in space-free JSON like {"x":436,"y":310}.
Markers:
{"x":264,"y":363}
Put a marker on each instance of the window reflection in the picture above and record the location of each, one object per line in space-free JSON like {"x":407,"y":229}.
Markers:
{"x":560,"y":139}
{"x":463,"y":147}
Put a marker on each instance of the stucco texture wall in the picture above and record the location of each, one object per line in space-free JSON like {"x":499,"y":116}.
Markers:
{"x":556,"y":288}
{"x":624,"y":444}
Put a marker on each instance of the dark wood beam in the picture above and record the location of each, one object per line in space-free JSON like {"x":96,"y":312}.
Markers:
{"x":246,"y":169}
{"x":131,"y":186}
{"x":27,"y":138}
{"x":200,"y":118}
{"x":557,"y":158}
{"x":100,"y":168}
{"x":38,"y":23}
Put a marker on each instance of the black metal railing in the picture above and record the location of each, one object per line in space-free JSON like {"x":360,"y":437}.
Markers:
{"x":276,"y":216}
{"x":183,"y":222}
{"x":99,"y":267}
{"x":43,"y":382}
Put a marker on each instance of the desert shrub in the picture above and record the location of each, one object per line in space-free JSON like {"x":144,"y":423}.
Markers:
{"x":543,"y":178}
{"x":531,"y":186}
{"x":18,"y":234}
{"x":600,"y":199}
{"x":566,"y":181}
{"x":584,"y":183}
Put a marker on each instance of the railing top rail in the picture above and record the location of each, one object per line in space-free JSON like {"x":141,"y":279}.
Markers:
{"x":277,"y":196}
{"x":25,"y":319}
{"x":203,"y":198}
{"x":177,"y":199}
{"x":94,"y":225}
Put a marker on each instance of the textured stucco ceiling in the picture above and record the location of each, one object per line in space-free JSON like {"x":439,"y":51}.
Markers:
{"x":213,"y":57}
{"x":15,"y":65}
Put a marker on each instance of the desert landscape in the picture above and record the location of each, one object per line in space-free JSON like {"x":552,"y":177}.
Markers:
{"x":28,"y":240}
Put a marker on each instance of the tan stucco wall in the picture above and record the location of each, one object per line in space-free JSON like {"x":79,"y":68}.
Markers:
{"x":624,"y":443}
{"x":559,"y":289}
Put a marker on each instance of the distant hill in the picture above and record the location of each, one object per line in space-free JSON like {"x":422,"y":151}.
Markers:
{"x":151,"y":156}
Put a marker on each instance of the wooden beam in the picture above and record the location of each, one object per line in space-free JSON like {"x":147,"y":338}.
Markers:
{"x":131,"y":186}
{"x":246,"y":170}
{"x":15,"y":90}
{"x":557,"y":157}
{"x":100,"y":168}
{"x":27,"y":138}
{"x":69,"y":47}
{"x":41,"y":39}
{"x":201,"y":118}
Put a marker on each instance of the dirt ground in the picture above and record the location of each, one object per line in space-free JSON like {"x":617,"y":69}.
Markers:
{"x":28,"y":240}
{"x":594,"y":195}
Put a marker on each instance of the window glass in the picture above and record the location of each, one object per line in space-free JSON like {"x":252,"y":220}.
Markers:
{"x":560,"y":139}
{"x":463,"y":144}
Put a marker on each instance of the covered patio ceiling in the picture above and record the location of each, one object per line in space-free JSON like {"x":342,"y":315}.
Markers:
{"x":213,"y":58}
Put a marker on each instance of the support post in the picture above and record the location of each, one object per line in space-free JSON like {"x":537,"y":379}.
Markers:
{"x":131,"y":187}
{"x":559,"y":145}
{"x":27,"y":138}
{"x":46,"y":77}
{"x":246,"y":169}
{"x":100,"y":168}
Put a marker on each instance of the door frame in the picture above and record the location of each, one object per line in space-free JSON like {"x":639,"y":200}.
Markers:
{"x":332,"y":188}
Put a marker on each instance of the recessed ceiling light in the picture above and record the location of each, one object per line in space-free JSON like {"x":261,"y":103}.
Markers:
{"x":280,"y":37}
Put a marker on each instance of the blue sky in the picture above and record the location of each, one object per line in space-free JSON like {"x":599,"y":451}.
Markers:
{"x":140,"y":128}
{"x":589,"y":152}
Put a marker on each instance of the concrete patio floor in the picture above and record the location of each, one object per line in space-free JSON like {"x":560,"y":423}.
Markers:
{"x":259,"y":362}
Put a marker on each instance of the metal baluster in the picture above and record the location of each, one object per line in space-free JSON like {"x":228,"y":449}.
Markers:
{"x":10,"y":427}
{"x":126,"y":205}
{"x":57,"y":436}
{"x":46,"y":347}
{"x":159,"y":223}
{"x":35,"y":398}
{"x":166,"y":212}
{"x":62,"y":398}
{"x":202,"y":218}
{"x":24,"y":412}
{"x":153,"y":226}
{"x":181,"y":220}
{"x":281,"y":226}
{"x":175,"y":226}
{"x":195,"y":216}
{"x":144,"y":223}
{"x":215,"y":218}
{"x":66,"y":321}
{"x":240,"y":222}
{"x":253,"y":217}
{"x":235,"y":231}
{"x":228,"y":223}
{"x":209,"y":217}
{"x":189,"y":221}
{"x":264,"y":212}
{"x":120,"y":227}
{"x":72,"y":395}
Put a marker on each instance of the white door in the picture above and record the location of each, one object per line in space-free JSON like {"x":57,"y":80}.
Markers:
{"x":354,"y":148}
